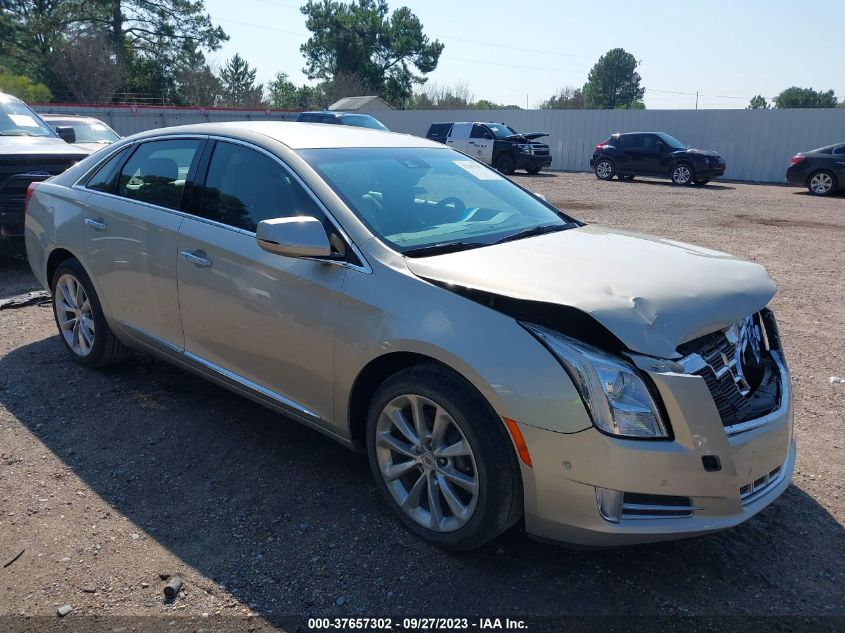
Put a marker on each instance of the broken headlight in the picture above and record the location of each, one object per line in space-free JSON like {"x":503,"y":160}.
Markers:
{"x":618,"y":400}
{"x":525,"y":149}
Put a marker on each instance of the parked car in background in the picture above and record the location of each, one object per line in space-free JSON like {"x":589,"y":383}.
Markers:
{"x":821,"y":170}
{"x":654,"y":154}
{"x":89,"y":132}
{"x":342,"y":118}
{"x":495,"y":357}
{"x":30,"y":151}
{"x":496,"y":144}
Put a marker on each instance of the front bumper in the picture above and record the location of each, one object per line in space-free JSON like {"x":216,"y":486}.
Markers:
{"x":527,"y":161}
{"x":708,"y":172}
{"x":561,"y":488}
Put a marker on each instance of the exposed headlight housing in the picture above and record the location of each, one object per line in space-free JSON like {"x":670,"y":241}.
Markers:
{"x":524,"y":148}
{"x":613,"y":392}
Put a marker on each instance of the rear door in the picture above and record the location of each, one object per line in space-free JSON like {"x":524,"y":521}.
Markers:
{"x":459,"y":136}
{"x":131,"y":237}
{"x":264,"y":320}
{"x":480,"y":144}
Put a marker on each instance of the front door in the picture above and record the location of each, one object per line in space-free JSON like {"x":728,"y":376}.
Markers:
{"x":266,"y":320}
{"x":131,"y":234}
{"x":480,"y":144}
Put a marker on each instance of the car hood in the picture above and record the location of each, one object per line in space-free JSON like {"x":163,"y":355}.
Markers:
{"x":526,"y":136}
{"x":653,"y":294}
{"x":18,"y":145}
{"x":699,"y":152}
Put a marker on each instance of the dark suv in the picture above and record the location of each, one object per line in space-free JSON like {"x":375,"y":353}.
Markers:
{"x":342,"y":118}
{"x":30,"y":151}
{"x":655,"y":154}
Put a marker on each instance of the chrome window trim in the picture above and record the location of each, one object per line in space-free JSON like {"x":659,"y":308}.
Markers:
{"x":363,"y":268}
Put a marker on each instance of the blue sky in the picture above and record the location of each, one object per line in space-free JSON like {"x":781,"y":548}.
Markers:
{"x":523,"y":51}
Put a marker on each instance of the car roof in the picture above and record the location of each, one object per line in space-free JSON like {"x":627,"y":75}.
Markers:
{"x":302,"y":135}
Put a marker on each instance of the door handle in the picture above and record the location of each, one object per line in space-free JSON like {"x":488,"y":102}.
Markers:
{"x":97,"y":225}
{"x":194,"y":258}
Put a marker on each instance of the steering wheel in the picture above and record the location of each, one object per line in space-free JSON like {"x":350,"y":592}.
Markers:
{"x":460,"y":207}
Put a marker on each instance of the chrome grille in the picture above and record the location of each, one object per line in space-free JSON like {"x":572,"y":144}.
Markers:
{"x":760,"y":486}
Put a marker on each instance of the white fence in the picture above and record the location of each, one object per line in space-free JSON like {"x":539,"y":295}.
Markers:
{"x":757,"y":144}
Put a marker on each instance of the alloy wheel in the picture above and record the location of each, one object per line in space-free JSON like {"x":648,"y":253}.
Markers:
{"x":821,"y":183}
{"x":604,"y":170}
{"x":73,"y":312}
{"x":427,"y":463}
{"x":681,"y":174}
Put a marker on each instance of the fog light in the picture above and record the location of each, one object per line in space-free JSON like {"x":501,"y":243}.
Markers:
{"x":610,"y":504}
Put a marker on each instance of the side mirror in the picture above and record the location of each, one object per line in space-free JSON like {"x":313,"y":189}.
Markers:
{"x":300,"y":236}
{"x":66,"y":133}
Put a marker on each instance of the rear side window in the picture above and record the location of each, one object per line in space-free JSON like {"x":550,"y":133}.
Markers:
{"x":244,"y":187}
{"x":840,"y":151}
{"x":104,"y":178}
{"x":156,"y":172}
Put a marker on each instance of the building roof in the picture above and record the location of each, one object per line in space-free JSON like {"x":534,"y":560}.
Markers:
{"x":356,"y":103}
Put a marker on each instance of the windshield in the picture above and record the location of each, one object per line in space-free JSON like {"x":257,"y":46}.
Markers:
{"x":671,"y":141}
{"x":16,"y":119}
{"x":87,"y":131}
{"x":500,"y":130}
{"x":362,"y":120}
{"x":416,"y":198}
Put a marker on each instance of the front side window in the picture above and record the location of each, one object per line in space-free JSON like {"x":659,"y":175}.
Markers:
{"x":501,"y":130}
{"x":157,"y":171}
{"x":244,"y":187}
{"x":416,"y":198}
{"x":16,"y":119}
{"x":671,"y":141}
{"x":840,"y":151}
{"x":479,"y":131}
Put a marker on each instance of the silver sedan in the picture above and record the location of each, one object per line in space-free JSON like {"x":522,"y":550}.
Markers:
{"x":498,"y":360}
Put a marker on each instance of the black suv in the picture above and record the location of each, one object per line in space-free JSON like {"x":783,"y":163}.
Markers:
{"x":655,"y":154}
{"x":30,"y":151}
{"x":341,"y":118}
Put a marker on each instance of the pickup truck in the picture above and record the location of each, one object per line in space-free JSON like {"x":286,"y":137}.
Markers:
{"x":495,"y":144}
{"x":30,"y":151}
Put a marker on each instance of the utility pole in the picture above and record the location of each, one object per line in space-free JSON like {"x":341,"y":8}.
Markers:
{"x":526,"y":100}
{"x":696,"y":99}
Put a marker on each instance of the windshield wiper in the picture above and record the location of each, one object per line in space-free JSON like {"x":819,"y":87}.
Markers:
{"x":537,"y":230}
{"x":441,"y":248}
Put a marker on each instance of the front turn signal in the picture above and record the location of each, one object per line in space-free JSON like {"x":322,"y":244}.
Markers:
{"x":519,"y":441}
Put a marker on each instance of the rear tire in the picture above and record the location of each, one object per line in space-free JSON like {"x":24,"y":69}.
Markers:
{"x":605,"y":169}
{"x":79,"y":317}
{"x":682,"y":174}
{"x":506,"y":164}
{"x":822,"y":183}
{"x":431,"y":436}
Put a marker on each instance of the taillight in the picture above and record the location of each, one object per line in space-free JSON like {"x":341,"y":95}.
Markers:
{"x":797,"y":159}
{"x":29,"y":191}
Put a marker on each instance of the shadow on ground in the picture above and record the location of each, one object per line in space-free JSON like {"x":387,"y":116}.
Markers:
{"x":213,"y":478}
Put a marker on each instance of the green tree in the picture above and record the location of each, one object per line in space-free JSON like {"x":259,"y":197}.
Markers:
{"x":795,"y":97}
{"x":360,"y":38}
{"x":758,"y":103}
{"x":566,"y":99}
{"x":196,"y":83}
{"x":23,"y":88}
{"x":613,"y":81}
{"x":282,"y":92}
{"x":239,"y":89}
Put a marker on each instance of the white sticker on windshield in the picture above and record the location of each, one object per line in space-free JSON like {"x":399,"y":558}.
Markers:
{"x":478,"y":170}
{"x":98,"y":127}
{"x":23,"y":120}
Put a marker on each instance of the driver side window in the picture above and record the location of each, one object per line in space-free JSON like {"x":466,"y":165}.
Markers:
{"x":479,"y":131}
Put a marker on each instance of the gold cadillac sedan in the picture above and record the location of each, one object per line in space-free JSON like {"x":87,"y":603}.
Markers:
{"x":498,"y":360}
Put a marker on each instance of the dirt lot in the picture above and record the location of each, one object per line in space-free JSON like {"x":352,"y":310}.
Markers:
{"x":109,"y":479}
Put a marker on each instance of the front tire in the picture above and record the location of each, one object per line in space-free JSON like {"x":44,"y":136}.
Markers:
{"x":534,"y":170}
{"x":506,"y":164}
{"x":682,"y":174}
{"x":605,"y":169}
{"x":822,"y":183}
{"x":79,"y":317}
{"x":442,"y":459}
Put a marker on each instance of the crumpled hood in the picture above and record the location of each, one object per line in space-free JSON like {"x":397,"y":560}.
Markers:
{"x":526,"y":136}
{"x":652,"y":293}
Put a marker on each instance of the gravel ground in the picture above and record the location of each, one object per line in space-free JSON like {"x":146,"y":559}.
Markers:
{"x":111,"y":480}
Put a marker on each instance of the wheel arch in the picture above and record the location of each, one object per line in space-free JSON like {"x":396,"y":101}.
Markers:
{"x":54,"y":260}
